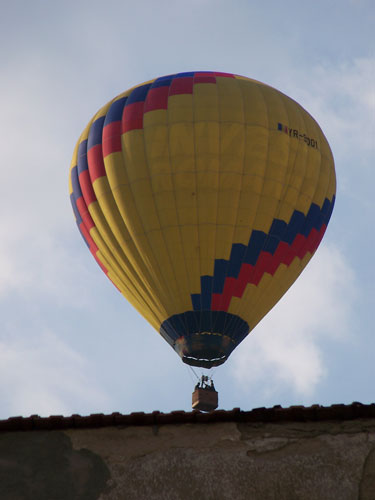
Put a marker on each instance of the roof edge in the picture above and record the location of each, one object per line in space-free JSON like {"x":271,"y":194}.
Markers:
{"x":277,"y":414}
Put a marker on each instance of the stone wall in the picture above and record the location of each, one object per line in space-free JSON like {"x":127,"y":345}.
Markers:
{"x":311,"y":460}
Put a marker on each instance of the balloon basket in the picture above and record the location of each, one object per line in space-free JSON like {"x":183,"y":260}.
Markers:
{"x":205,"y":397}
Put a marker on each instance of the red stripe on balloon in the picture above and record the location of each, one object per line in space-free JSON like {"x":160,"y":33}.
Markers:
{"x":84,"y":213}
{"x":157,"y":98}
{"x":227,"y":75}
{"x":112,"y":138}
{"x":181,"y":86}
{"x":93,"y":248}
{"x":95,"y":162}
{"x":132,"y":118}
{"x":204,"y":79}
{"x":86,"y":187}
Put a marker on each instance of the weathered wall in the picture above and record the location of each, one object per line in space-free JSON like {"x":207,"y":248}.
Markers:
{"x":278,"y":461}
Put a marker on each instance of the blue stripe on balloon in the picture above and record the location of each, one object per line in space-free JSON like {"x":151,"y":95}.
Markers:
{"x":294,"y":227}
{"x":235,"y":260}
{"x":209,"y":321}
{"x":164,"y":81}
{"x":82,"y":164}
{"x":184,"y":75}
{"x":75,"y":209}
{"x":260,"y":241}
{"x":96,"y":133}
{"x":138,"y":94}
{"x":115,"y":111}
{"x":220,"y":271}
{"x":77,"y":193}
{"x":254,"y":247}
{"x":206,"y":287}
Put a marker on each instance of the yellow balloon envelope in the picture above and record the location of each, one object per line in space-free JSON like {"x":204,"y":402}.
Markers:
{"x":202,"y":196}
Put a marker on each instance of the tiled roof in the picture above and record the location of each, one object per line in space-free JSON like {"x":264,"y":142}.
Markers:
{"x":277,"y":414}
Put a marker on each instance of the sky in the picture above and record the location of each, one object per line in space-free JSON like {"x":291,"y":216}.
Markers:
{"x":69,"y":342}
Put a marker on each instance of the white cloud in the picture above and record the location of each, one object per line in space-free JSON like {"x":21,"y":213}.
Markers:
{"x":37,"y":233}
{"x":46,"y":376}
{"x":341,"y":97}
{"x":286,"y":348}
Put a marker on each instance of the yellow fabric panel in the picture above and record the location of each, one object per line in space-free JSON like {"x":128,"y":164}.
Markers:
{"x":256,"y":148}
{"x":115,"y":170}
{"x":331,"y":190}
{"x":132,"y":226}
{"x":303,"y":203}
{"x":251,"y":185}
{"x":128,"y":210}
{"x":207,"y":163}
{"x":224,"y":241}
{"x":155,"y":117}
{"x":313,"y":173}
{"x":232,"y":147}
{"x":230,"y":101}
{"x":255,"y":107}
{"x":145,"y":205}
{"x":278,"y":107}
{"x":164,"y":201}
{"x":164,"y":193}
{"x":160,"y":251}
{"x":291,"y":198}
{"x":145,"y":273}
{"x":273,"y":188}
{"x":277,"y":155}
{"x":101,"y":234}
{"x":207,"y":145}
{"x":176,"y":250}
{"x":118,"y":238}
{"x":134,"y":155}
{"x":229,"y":194}
{"x":207,"y":183}
{"x":191,"y":244}
{"x":181,"y":146}
{"x":156,"y":148}
{"x":182,"y":163}
{"x":207,"y":236}
{"x":205,"y":101}
{"x":180,"y":108}
{"x":323,"y":183}
{"x":267,"y":208}
{"x":143,"y":208}
{"x":131,"y":292}
{"x":186,"y":203}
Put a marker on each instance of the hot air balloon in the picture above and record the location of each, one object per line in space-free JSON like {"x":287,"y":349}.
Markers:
{"x":202,"y":196}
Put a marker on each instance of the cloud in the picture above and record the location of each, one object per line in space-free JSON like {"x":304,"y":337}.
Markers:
{"x":286,"y":350}
{"x":46,"y":376}
{"x":341,"y":97}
